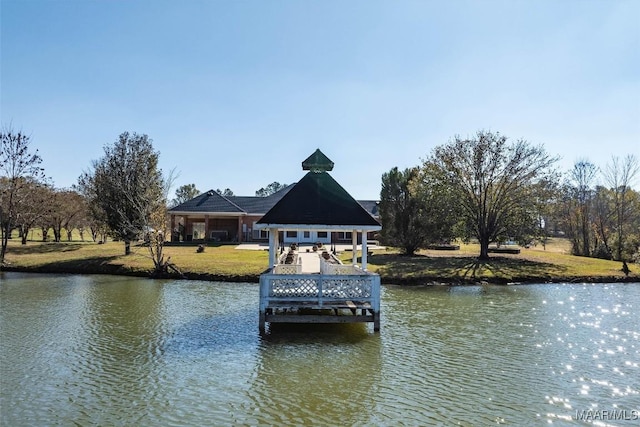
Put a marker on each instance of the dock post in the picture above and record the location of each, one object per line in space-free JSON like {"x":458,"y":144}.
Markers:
{"x":264,"y":295}
{"x":262,"y":321}
{"x":376,"y":321}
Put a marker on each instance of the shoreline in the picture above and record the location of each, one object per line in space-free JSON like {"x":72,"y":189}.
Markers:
{"x":385,"y":280}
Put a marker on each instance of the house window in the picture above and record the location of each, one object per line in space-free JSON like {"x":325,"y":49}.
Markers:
{"x":292,"y":234}
{"x":322,"y":234}
{"x":260,"y":233}
{"x":344,"y":235}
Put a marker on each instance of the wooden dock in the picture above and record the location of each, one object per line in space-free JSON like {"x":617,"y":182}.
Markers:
{"x":335,"y":294}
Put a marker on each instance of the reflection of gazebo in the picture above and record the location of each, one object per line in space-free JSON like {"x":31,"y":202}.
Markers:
{"x":317,"y":203}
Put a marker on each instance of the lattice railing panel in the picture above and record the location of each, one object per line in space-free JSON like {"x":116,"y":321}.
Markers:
{"x":288,"y":269}
{"x":334,"y":288}
{"x":344,"y":270}
{"x":347,"y":288}
{"x":294,"y":288}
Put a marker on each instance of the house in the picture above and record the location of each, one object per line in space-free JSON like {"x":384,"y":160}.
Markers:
{"x":214,"y":217}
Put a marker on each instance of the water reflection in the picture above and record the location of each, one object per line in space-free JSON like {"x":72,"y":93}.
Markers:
{"x":327,"y":374}
{"x":121,"y":328}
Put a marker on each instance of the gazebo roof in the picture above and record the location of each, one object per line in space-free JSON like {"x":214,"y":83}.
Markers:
{"x":317,"y":200}
{"x":317,"y":162}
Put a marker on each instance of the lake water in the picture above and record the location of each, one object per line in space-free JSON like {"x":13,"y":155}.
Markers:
{"x":99,"y":350}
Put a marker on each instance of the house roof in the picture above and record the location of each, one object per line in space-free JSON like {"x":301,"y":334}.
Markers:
{"x":317,"y":199}
{"x":259,"y":205}
{"x":371,"y":206}
{"x":213,"y":202}
{"x":209,"y":201}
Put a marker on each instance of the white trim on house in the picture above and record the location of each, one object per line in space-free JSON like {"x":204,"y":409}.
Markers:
{"x":209,"y":213}
{"x":320,"y":227}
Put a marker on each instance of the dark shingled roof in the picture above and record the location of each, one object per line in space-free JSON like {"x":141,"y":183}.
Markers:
{"x":370,"y":206}
{"x":212,"y":201}
{"x":259,"y":205}
{"x":317,"y":199}
{"x":209,"y":201}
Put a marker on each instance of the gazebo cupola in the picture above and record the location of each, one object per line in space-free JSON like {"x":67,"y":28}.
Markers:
{"x":318,"y":205}
{"x":317,"y":162}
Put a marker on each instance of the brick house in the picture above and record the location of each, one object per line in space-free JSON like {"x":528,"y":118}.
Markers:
{"x":213,"y":217}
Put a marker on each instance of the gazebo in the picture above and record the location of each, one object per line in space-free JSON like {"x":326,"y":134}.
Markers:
{"x":315,"y":287}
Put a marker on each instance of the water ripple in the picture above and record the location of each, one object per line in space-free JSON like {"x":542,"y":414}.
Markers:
{"x":118,"y":351}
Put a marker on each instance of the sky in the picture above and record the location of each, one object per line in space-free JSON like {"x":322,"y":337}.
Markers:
{"x":236,"y":94}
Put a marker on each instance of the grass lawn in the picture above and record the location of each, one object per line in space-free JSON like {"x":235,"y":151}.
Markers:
{"x":220,"y":261}
{"x":555,"y":263}
{"x":224,"y":262}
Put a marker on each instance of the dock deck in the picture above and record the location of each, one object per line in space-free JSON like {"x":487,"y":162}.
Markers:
{"x":313,"y":290}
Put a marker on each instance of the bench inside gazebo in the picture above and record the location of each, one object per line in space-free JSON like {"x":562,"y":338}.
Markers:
{"x":310,"y":284}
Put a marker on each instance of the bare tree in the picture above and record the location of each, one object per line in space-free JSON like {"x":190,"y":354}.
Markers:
{"x":33,"y":207}
{"x":603,"y":221}
{"x":19,"y":166}
{"x":620,"y":175}
{"x":157,"y":229}
{"x":72,"y":207}
{"x":582,"y":178}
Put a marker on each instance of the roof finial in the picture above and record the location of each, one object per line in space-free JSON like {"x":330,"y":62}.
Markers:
{"x":317,"y":162}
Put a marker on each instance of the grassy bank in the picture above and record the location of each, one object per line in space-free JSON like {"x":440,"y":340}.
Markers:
{"x":224,"y":262}
{"x":215,"y":263}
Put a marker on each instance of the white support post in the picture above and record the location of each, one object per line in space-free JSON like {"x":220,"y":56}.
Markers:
{"x":354,"y":242}
{"x":364,"y":250}
{"x":273,"y":249}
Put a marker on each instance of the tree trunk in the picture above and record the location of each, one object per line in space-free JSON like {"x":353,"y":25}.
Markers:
{"x":5,"y":240}
{"x":57,"y":234}
{"x":484,"y":248}
{"x":25,"y":232}
{"x":586,"y":247}
{"x":127,"y":247}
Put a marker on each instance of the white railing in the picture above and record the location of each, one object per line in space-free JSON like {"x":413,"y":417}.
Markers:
{"x":288,"y":268}
{"x":319,"y":289}
{"x":294,"y":268}
{"x":337,"y":268}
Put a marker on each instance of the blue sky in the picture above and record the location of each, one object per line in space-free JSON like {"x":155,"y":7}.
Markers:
{"x":237,"y":93}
